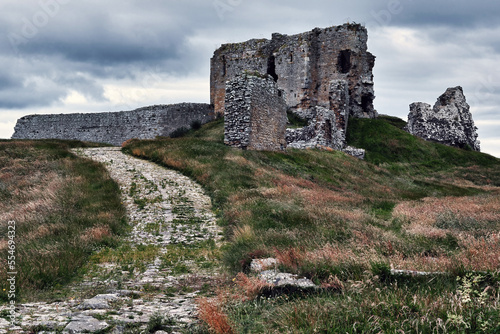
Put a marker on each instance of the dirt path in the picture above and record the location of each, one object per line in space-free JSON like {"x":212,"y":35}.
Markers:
{"x":169,"y":258}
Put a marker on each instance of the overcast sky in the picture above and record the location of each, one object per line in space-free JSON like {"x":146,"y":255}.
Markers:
{"x":62,"y":56}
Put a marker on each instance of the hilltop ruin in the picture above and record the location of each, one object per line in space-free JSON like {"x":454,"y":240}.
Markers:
{"x":449,"y":122}
{"x":325,"y":76}
{"x":304,"y":67}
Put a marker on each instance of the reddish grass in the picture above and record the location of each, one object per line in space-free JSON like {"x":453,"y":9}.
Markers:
{"x":211,"y":313}
{"x":95,"y":234}
{"x":481,"y":253}
{"x":424,"y":214}
{"x":480,"y":208}
{"x":291,"y":258}
{"x":251,"y":286}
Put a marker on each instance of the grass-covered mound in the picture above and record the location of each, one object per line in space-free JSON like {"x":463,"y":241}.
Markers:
{"x":64,"y":208}
{"x":343,"y":222}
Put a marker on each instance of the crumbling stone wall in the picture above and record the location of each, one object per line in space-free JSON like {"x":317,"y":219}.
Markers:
{"x":114,"y":127}
{"x":255,"y":113}
{"x":320,"y":131}
{"x":449,"y":122}
{"x":304,"y":67}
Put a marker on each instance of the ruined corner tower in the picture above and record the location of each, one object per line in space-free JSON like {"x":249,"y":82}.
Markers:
{"x":305,"y":67}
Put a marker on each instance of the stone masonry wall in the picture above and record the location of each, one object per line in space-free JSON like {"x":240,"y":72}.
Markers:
{"x":321,"y":131}
{"x":114,"y":127}
{"x":449,"y":122}
{"x":304,"y":67}
{"x":255,"y":113}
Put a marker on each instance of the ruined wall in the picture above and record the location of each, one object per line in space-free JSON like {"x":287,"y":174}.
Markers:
{"x":255,"y":113}
{"x":113,"y":127}
{"x":449,"y":122}
{"x":321,"y":131}
{"x":304,"y":67}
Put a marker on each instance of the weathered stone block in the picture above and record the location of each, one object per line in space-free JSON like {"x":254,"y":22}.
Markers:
{"x":255,"y":113}
{"x":339,"y":103}
{"x":449,"y":122}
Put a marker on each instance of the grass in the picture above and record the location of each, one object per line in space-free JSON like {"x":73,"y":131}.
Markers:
{"x":64,"y":207}
{"x":339,"y":221}
{"x":412,"y":205}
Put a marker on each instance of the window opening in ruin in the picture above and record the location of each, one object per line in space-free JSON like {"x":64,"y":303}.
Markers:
{"x":328,"y":131}
{"x":291,"y":57}
{"x":344,"y":61}
{"x":224,"y":64}
{"x":366,"y":102}
{"x":271,"y":67}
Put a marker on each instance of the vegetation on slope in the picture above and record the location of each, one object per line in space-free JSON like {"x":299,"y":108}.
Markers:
{"x":64,"y":208}
{"x":343,"y":222}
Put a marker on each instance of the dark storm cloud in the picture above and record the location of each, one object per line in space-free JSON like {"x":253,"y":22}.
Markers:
{"x":449,"y":13}
{"x":30,"y":94}
{"x":112,"y":40}
{"x":99,"y":33}
{"x":8,"y":81}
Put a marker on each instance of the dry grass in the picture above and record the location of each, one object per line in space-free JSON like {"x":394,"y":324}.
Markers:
{"x":211,"y":312}
{"x":480,"y":254}
{"x":95,"y":234}
{"x":424,"y":214}
{"x":63,"y":207}
{"x":250,"y":286}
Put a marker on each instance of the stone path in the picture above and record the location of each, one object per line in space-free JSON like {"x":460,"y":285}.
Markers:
{"x":169,"y":258}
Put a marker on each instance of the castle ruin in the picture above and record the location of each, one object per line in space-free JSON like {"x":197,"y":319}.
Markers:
{"x":325,"y":76}
{"x":255,"y":113}
{"x":304,"y":67}
{"x":449,"y":122}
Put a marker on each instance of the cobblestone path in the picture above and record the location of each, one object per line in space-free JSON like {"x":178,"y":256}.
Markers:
{"x":168,"y":259}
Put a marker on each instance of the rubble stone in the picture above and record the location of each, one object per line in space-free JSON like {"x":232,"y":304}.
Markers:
{"x":321,"y":131}
{"x":449,"y":122}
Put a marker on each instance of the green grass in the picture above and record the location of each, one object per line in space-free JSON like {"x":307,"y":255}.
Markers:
{"x":337,"y":220}
{"x":65,"y":208}
{"x":386,"y":143}
{"x":369,"y":306}
{"x":329,"y":216}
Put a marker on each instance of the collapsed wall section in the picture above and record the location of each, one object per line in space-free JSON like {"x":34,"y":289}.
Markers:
{"x":449,"y":122}
{"x":114,"y":127}
{"x":303,"y":66}
{"x":255,"y":113}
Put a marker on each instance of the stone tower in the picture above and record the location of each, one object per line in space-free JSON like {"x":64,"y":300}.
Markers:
{"x":306,"y":67}
{"x":255,"y":113}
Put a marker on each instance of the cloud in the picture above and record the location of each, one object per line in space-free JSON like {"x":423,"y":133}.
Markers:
{"x":70,"y":55}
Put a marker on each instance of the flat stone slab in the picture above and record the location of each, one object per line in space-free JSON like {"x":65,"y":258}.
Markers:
{"x":84,"y":323}
{"x":285,"y":279}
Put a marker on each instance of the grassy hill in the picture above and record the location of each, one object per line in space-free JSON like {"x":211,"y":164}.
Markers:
{"x":340,"y":221}
{"x":344,"y":223}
